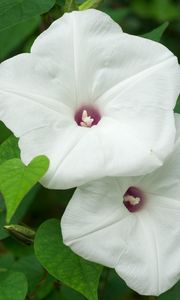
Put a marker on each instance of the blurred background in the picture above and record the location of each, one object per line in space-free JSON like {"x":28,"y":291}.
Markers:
{"x":135,"y":17}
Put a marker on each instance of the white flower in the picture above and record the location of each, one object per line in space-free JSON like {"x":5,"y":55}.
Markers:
{"x":131,"y":224}
{"x":84,"y":71}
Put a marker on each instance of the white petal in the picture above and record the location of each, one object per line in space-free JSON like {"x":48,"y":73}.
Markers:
{"x":75,"y":154}
{"x":29,"y":95}
{"x":124,"y":152}
{"x":143,"y":247}
{"x":151,"y":262}
{"x":146,"y":103}
{"x":121,"y":55}
{"x":88,"y":154}
{"x":52,"y":142}
{"x":78,"y":42}
{"x":146,"y":64}
{"x":166,"y":180}
{"x":95,"y":223}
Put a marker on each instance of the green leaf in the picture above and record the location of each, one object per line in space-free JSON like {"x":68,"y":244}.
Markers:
{"x":38,"y":279}
{"x":12,"y":37}
{"x":13,"y":12}
{"x":89,"y":4}
{"x":60,"y":2}
{"x":5,"y":132}
{"x":70,"y":5}
{"x":177,"y":107}
{"x":6,"y":261}
{"x":9,"y":149}
{"x":56,"y":295}
{"x":117,"y":14}
{"x":66,"y":294}
{"x":63,"y":264}
{"x":156,"y":34}
{"x":16,"y":180}
{"x":45,"y":287}
{"x":3,"y":233}
{"x":13,"y":286}
{"x":31,"y":268}
{"x":116,"y":287}
{"x":17,"y":249}
{"x":20,"y":212}
{"x":25,"y":204}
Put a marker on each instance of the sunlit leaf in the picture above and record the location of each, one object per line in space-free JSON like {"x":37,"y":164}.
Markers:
{"x":16,"y":180}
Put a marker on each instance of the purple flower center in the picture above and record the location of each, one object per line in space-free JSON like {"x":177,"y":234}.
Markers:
{"x":87,"y":116}
{"x":133,"y":199}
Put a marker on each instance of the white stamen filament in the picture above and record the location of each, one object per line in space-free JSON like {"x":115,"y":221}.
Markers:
{"x":132,"y":200}
{"x":86,"y":120}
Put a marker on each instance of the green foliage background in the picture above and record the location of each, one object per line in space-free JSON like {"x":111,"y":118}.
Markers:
{"x":45,"y":269}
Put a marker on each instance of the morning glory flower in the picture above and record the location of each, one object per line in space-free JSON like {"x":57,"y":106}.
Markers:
{"x":131,"y":224}
{"x":98,"y":102}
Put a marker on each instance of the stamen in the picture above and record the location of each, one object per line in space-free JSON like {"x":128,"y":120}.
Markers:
{"x":134,"y":199}
{"x":86,"y":120}
{"x":87,"y":116}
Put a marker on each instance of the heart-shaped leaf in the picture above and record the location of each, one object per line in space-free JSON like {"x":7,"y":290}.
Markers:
{"x":16,"y":180}
{"x":63,"y":264}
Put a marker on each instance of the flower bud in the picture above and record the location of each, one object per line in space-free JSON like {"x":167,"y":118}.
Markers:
{"x":21,"y":233}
